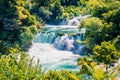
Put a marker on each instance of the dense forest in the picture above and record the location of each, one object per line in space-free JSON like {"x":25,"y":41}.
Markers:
{"x":20,"y":21}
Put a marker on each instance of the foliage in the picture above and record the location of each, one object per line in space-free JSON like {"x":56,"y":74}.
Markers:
{"x":102,"y":34}
{"x":70,"y":2}
{"x":94,"y":29}
{"x":97,"y":7}
{"x":56,"y":12}
{"x":53,"y":11}
{"x":106,"y":53}
{"x":108,"y":11}
{"x":15,"y":19}
{"x":86,"y":66}
{"x":116,"y":42}
{"x":71,"y":11}
{"x":114,"y":71}
{"x":103,"y":25}
{"x":49,"y":10}
{"x":98,"y":73}
{"x":90,"y":69}
{"x":19,"y":67}
{"x":60,"y":75}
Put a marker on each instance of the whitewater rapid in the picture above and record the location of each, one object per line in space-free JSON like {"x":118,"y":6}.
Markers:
{"x":59,"y":51}
{"x":51,"y":58}
{"x":48,"y":54}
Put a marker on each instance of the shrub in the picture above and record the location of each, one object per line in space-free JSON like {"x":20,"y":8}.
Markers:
{"x":19,"y":67}
{"x":106,"y":53}
{"x":60,"y":75}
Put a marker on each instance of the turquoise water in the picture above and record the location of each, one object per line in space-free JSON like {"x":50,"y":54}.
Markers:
{"x":58,"y":52}
{"x":70,"y":65}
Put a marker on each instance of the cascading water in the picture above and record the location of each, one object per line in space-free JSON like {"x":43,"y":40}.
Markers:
{"x":57,"y":47}
{"x":64,"y":41}
{"x":74,"y":21}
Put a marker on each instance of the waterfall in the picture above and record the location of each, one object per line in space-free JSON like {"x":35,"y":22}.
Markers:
{"x":75,"y":21}
{"x":58,"y":51}
{"x":64,"y":41}
{"x":57,"y":46}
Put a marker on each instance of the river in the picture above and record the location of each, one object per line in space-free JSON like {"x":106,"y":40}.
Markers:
{"x":57,"y":47}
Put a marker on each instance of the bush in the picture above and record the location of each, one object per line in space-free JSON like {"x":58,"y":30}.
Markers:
{"x":116,"y":42}
{"x":106,"y":53}
{"x":60,"y":75}
{"x":71,"y":11}
{"x":94,"y":27}
{"x":19,"y":67}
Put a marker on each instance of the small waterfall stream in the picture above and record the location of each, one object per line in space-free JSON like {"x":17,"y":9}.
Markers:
{"x":61,"y":42}
{"x":57,"y":47}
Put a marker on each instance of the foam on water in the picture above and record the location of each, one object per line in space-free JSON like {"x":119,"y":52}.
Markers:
{"x":55,"y":51}
{"x":60,"y":26}
{"x":52,"y":58}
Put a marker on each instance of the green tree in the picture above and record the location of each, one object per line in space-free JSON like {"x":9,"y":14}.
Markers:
{"x":106,"y":53}
{"x":70,"y":2}
{"x":98,"y":73}
{"x":90,"y":70}
{"x":116,"y":42}
{"x":17,"y":66}
{"x":56,"y":12}
{"x":94,"y":32}
{"x":42,"y":2}
{"x":97,"y":7}
{"x":87,"y":66}
{"x":108,"y":11}
{"x":15,"y":19}
{"x":60,"y":75}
